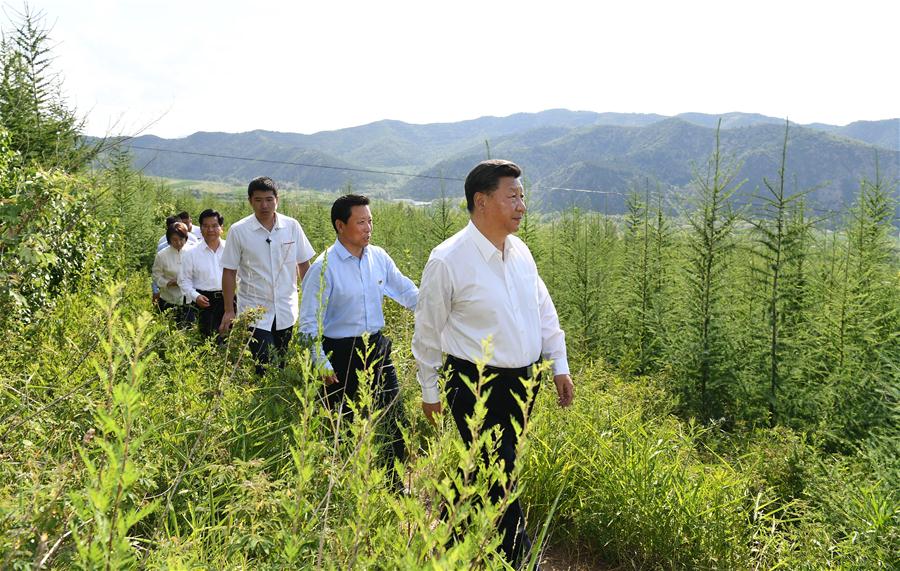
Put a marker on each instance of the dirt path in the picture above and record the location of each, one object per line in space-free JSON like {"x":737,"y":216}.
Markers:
{"x":564,"y":558}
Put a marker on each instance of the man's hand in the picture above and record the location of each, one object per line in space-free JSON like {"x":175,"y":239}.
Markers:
{"x":329,"y":379}
{"x":172,"y":282}
{"x":225,"y":326}
{"x":156,"y":298}
{"x":565,"y":390}
{"x":202,"y":301}
{"x":431,"y":409}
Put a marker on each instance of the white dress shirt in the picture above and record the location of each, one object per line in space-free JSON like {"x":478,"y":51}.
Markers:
{"x":166,"y":266}
{"x":201,"y":268}
{"x":266,"y":264}
{"x":352,"y":293}
{"x":163,"y":244}
{"x":471,"y":291}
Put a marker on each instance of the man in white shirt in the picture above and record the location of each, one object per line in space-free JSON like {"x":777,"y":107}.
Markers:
{"x":200,"y":277}
{"x":483,"y":283}
{"x":266,"y":252}
{"x":185,"y":218}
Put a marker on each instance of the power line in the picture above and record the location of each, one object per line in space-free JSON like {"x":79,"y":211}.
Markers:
{"x":293,"y":163}
{"x":351,"y":169}
{"x":393,"y":173}
{"x":587,"y":190}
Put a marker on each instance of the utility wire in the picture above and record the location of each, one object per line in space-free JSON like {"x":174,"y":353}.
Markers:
{"x":394,"y":173}
{"x":351,"y":169}
{"x":292,"y":163}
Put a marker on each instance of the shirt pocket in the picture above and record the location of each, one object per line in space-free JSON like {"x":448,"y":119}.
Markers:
{"x":287,"y":259}
{"x":287,"y":252}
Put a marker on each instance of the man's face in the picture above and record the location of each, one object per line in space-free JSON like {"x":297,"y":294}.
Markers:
{"x":357,"y":231}
{"x":264,"y":203}
{"x":210,"y":229}
{"x":187,"y":222}
{"x":505,"y":207}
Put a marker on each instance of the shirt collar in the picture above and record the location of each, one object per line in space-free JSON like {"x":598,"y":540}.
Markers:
{"x":485,"y":246}
{"x":343,"y":253}
{"x":259,"y":226}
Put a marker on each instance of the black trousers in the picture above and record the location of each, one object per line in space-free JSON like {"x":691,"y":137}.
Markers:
{"x":502,"y":408}
{"x":183,"y":314}
{"x":268,"y":346}
{"x":346,"y":357}
{"x":210,"y":317}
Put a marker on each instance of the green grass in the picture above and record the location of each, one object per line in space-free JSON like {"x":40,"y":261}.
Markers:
{"x":124,"y":442}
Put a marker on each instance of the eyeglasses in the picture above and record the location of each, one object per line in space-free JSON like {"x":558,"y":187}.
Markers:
{"x":208,"y":227}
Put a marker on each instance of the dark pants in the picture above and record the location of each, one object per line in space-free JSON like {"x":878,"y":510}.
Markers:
{"x":268,"y":346}
{"x":346,"y":360}
{"x":183,"y":314}
{"x":502,"y":408}
{"x":210,"y":317}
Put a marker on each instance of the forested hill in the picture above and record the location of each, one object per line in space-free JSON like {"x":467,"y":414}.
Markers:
{"x":615,"y":159}
{"x":558,"y":149}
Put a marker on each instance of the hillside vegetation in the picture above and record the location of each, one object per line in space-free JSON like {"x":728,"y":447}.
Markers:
{"x":737,"y":376}
{"x":601,"y":153}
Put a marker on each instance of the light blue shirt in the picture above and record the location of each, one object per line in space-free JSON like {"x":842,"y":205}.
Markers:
{"x":351,"y":293}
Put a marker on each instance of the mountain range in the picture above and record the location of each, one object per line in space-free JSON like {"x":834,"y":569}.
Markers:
{"x":569,"y":157}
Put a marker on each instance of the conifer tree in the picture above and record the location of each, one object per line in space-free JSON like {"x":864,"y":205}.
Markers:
{"x":779,"y":246}
{"x":710,"y":243}
{"x":42,"y":128}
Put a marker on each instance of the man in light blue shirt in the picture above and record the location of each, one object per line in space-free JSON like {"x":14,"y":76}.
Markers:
{"x":346,"y":286}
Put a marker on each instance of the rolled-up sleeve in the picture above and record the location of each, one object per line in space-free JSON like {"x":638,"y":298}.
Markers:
{"x":553,"y":339}
{"x":399,"y":287}
{"x":432,"y":313}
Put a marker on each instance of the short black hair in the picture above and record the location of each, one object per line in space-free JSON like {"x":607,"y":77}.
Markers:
{"x":210,"y":213}
{"x":261,"y":183}
{"x":174,"y":230}
{"x":171,"y":220}
{"x":485,"y":178}
{"x":184,"y":215}
{"x":343,"y":207}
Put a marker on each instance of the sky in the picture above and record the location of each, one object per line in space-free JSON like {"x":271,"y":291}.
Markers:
{"x":171,"y":68}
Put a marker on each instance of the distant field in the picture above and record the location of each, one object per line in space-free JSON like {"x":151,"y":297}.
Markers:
{"x":199,"y":187}
{"x":229,"y":191}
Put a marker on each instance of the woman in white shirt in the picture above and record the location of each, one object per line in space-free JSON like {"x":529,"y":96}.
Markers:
{"x":165,"y":274}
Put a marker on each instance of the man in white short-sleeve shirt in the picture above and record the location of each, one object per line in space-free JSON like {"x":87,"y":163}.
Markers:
{"x":267,"y":252}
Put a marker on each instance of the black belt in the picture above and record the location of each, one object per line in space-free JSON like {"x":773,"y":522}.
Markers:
{"x":373,"y":338}
{"x":210,"y":294}
{"x":515,"y":372}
